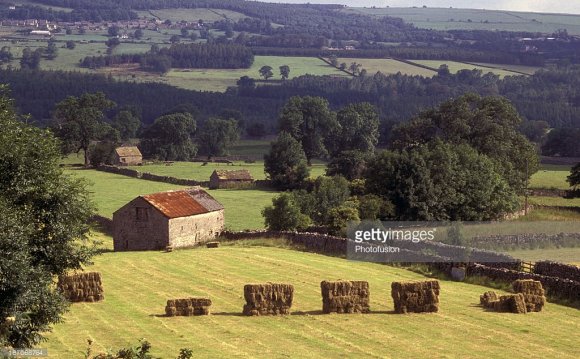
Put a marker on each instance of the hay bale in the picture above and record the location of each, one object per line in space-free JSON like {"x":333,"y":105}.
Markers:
{"x":416,"y":297}
{"x":533,"y":292}
{"x":212,"y":244}
{"x":528,"y":286}
{"x":345,"y":297}
{"x":82,"y":287}
{"x":268,"y":299}
{"x":488,"y":299}
{"x":187,"y":307}
{"x":512,"y":303}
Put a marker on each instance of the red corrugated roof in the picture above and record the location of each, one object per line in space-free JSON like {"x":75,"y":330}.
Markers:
{"x":183,"y":203}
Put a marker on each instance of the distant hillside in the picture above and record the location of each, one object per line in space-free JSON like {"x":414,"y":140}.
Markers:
{"x":474,"y":19}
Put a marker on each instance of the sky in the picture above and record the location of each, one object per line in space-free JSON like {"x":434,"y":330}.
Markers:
{"x":554,"y":6}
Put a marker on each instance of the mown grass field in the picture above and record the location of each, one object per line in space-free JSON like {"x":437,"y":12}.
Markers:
{"x":455,"y":67}
{"x":110,"y":192}
{"x":564,"y":255}
{"x":137,"y":285}
{"x":475,"y":19}
{"x":387,"y":66}
{"x":551,"y":176}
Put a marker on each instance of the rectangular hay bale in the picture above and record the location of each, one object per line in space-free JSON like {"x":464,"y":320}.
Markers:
{"x":187,"y":307}
{"x":512,"y":303}
{"x":416,"y":297}
{"x":81,"y":287}
{"x":268,"y":299}
{"x":533,"y":292}
{"x":345,"y":297}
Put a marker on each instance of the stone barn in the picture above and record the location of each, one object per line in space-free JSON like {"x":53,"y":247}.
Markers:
{"x":167,"y":219}
{"x":128,"y":156}
{"x":230,"y":179}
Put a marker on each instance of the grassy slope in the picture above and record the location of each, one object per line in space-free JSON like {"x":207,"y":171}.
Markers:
{"x":110,"y":192}
{"x":195,"y":170}
{"x":388,"y":66}
{"x":138,"y":284}
{"x":219,"y":80}
{"x":447,"y":19}
{"x":454,"y":67}
{"x":551,"y":176}
{"x":565,"y":255}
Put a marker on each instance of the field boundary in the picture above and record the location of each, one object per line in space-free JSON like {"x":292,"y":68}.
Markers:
{"x":171,"y":180}
{"x":408,"y":62}
{"x":150,"y":176}
{"x":494,"y":68}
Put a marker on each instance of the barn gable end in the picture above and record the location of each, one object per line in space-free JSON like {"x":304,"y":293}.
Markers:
{"x":174,"y":218}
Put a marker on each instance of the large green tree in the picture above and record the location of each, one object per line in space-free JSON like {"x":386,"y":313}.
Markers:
{"x":488,"y":124}
{"x":284,"y":214}
{"x":217,"y":135}
{"x":78,"y":121}
{"x":127,"y":123}
{"x":310,"y":121}
{"x":441,"y":181}
{"x":325,"y":194}
{"x":170,"y":138}
{"x":44,"y":221}
{"x":358,"y":129}
{"x":285,"y":164}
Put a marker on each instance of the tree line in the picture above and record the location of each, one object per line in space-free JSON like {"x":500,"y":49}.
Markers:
{"x":550,"y":95}
{"x":27,"y":11}
{"x":207,"y":55}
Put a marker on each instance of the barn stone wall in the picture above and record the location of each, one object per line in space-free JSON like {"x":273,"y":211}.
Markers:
{"x":130,"y":234}
{"x":128,"y":160}
{"x":189,"y":231}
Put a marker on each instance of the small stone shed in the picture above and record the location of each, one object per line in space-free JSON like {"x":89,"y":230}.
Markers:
{"x":128,"y":156}
{"x":167,"y":219}
{"x":230,"y":179}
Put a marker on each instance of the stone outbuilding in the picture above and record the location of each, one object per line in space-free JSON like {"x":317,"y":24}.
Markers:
{"x":128,"y":156}
{"x":167,"y":219}
{"x":230,"y":179}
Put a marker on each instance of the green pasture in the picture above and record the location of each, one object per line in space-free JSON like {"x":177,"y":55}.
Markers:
{"x":221,"y":79}
{"x":109,"y":192}
{"x":198,"y":171}
{"x":564,"y":255}
{"x":387,"y":66}
{"x":530,"y":70}
{"x":251,"y":148}
{"x":455,"y":67}
{"x":551,"y":176}
{"x":476,"y":19}
{"x":138,"y":284}
{"x":554,"y":201}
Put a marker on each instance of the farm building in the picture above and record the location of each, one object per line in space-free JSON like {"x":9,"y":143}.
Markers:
{"x":128,"y":156}
{"x":230,"y":179}
{"x":167,"y":219}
